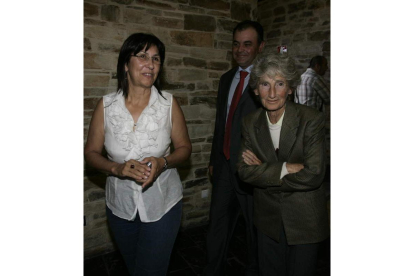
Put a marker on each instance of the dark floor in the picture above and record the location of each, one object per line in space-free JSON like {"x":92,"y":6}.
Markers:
{"x":188,"y":257}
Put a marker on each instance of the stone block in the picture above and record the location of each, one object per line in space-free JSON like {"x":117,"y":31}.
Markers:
{"x":264,"y":15}
{"x":98,"y":1}
{"x":219,"y":13}
{"x":207,"y":54}
{"x":181,"y":98}
{"x":124,"y":2}
{"x":197,"y":122}
{"x":110,"y":13}
{"x":199,"y":23}
{"x":177,"y":50}
{"x":94,"y":207}
{"x":200,"y":130}
{"x":273,"y":34}
{"x":88,"y":21}
{"x":109,"y":47}
{"x":192,"y":39}
{"x":178,"y":1}
{"x":221,"y":66}
{"x":279,"y":11}
{"x":279,"y":19}
{"x":197,"y":140}
{"x":210,"y":101}
{"x":307,"y":14}
{"x":211,"y":4}
{"x":155,"y":4}
{"x":226,"y":25}
{"x":187,"y":207}
{"x":207,"y":113}
{"x":206,"y":148}
{"x":315,"y":5}
{"x":196,"y":214}
{"x":86,"y":44}
{"x":96,"y":195}
{"x":295,"y":7}
{"x":190,"y":9}
{"x":96,"y":80}
{"x":202,"y":86}
{"x":201,"y":172}
{"x":190,"y":223}
{"x":288,"y":32}
{"x":98,"y":92}
{"x":90,"y":10}
{"x":240,"y":11}
{"x":224,"y":36}
{"x":173,"y":14}
{"x":193,"y":62}
{"x":319,"y":36}
{"x":137,"y":16}
{"x":216,"y":84}
{"x":213,"y":75}
{"x":100,"y":61}
{"x":191,"y":75}
{"x":211,"y":93}
{"x":90,"y":103}
{"x":170,"y":23}
{"x":95,"y":237}
{"x":196,"y":149}
{"x":299,"y":37}
{"x":106,"y":33}
{"x":174,"y":62}
{"x":196,"y":182}
{"x":223,"y":45}
{"x":326,"y":46}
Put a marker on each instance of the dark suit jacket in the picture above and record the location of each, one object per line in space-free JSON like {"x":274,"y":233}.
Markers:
{"x":246,"y":105}
{"x":297,"y":200}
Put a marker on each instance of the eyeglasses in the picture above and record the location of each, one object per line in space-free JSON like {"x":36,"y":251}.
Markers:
{"x":144,"y":58}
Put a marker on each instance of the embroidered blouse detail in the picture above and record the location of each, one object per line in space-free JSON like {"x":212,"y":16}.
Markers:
{"x":151,"y":137}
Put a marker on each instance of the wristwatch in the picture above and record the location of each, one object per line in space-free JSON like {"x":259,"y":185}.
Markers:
{"x":165,"y":164}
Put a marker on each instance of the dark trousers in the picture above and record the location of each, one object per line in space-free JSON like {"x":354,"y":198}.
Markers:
{"x":146,"y":246}
{"x":225,"y":206}
{"x":281,"y":259}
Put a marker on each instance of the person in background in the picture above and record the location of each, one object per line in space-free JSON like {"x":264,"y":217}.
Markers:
{"x":136,"y":125}
{"x":229,"y":194}
{"x":282,"y":156}
{"x":313,"y":90}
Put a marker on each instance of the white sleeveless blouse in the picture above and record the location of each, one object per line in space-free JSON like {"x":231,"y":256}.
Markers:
{"x":152,"y":137}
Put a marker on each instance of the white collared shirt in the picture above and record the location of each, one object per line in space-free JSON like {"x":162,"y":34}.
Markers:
{"x":275,"y":134}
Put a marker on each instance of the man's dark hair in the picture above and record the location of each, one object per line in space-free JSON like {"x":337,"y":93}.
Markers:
{"x":250,"y":24}
{"x":133,"y":45}
{"x":316,"y":60}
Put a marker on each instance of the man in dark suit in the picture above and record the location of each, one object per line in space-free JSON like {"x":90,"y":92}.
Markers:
{"x":283,"y":156}
{"x":230,"y":195}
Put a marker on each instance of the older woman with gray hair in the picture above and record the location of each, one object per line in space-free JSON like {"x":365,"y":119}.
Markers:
{"x":283,"y":157}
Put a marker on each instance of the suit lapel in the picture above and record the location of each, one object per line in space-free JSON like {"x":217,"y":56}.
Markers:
{"x":288,"y":132}
{"x":263,"y":137}
{"x":245,"y":95}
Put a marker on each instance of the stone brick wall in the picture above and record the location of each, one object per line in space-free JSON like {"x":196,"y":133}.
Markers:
{"x":198,"y":36}
{"x":304,"y":27}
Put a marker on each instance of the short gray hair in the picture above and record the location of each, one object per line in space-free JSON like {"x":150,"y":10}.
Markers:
{"x":272,"y":63}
